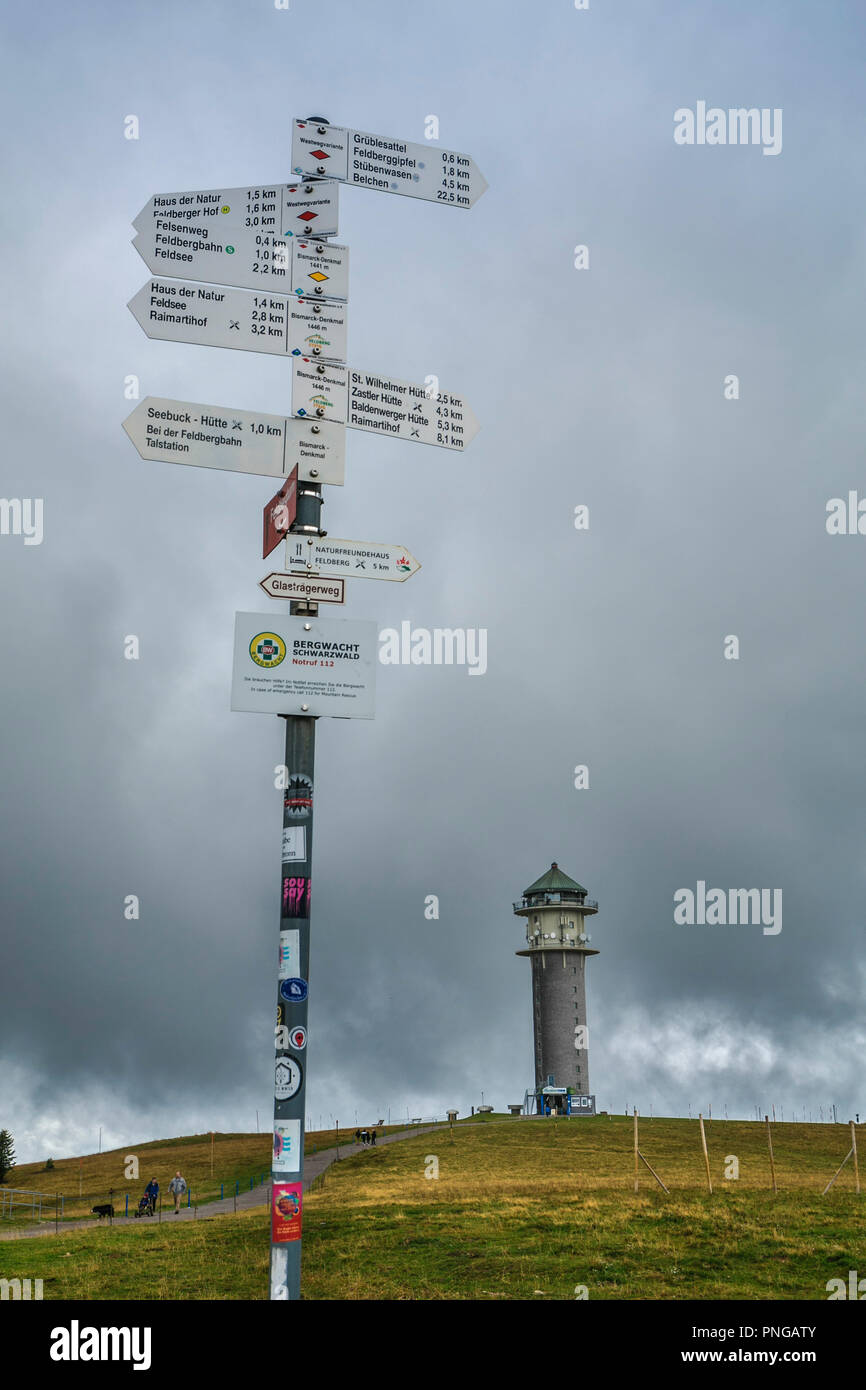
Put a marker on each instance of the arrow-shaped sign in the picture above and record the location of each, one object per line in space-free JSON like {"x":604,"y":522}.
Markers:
{"x":280,"y":209}
{"x":392,"y":166}
{"x":310,"y":588}
{"x":254,"y":321}
{"x":247,"y":256}
{"x":368,"y":401}
{"x":357,"y":559}
{"x":241,"y":441}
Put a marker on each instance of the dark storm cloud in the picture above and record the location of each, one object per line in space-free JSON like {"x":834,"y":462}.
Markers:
{"x":601,"y":387}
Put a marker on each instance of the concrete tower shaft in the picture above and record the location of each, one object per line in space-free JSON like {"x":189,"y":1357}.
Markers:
{"x":558,"y":944}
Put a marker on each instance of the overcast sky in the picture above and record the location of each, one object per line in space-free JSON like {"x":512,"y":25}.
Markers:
{"x":602,"y":387}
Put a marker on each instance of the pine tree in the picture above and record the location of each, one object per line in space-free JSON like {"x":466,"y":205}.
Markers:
{"x":7,"y":1154}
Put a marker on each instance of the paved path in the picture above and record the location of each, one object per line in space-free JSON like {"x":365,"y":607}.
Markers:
{"x":314,"y":1165}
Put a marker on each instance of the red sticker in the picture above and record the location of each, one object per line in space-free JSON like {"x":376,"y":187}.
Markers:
{"x":286,"y":1212}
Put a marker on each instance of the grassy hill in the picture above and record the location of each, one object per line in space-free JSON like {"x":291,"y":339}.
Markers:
{"x":524,"y":1209}
{"x":92,"y":1178}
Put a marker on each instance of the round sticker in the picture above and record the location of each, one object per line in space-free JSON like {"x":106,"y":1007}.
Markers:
{"x":294,"y":991}
{"x":298,"y":1038}
{"x":267,"y":649}
{"x":287,"y":1078}
{"x":298,"y":800}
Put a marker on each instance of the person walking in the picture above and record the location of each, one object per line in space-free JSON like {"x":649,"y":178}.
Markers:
{"x":373,"y":1138}
{"x":177,"y":1187}
{"x":151,"y":1192}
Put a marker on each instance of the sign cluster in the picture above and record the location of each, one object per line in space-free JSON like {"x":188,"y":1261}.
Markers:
{"x":252,"y":268}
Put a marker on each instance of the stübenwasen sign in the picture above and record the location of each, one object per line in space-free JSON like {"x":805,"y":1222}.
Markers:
{"x":385,"y":164}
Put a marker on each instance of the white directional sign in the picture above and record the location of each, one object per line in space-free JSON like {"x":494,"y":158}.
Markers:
{"x":281,"y":209}
{"x":393,"y":166}
{"x":289,"y":665}
{"x":252,"y":320}
{"x":368,"y":401}
{"x":247,"y":257}
{"x":240,"y":441}
{"x":306,"y":588}
{"x":358,"y":559}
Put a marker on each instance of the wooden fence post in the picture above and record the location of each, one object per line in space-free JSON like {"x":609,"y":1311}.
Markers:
{"x":770,"y":1143}
{"x":706,"y":1155}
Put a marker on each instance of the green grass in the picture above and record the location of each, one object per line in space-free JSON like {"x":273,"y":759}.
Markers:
{"x":236,"y":1158}
{"x":520,"y":1210}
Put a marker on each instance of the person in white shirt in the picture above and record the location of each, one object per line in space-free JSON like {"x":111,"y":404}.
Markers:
{"x":178,"y":1187}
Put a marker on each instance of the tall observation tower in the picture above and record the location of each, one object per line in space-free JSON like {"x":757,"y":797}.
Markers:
{"x":557,"y":943}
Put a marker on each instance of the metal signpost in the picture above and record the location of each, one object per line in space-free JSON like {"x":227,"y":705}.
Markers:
{"x":370,"y":401}
{"x":241,"y":441}
{"x":259,"y":274}
{"x":390,"y":166}
{"x":254,"y":320}
{"x":360,"y":559}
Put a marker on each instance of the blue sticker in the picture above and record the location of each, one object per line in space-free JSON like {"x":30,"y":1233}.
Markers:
{"x":294,"y":991}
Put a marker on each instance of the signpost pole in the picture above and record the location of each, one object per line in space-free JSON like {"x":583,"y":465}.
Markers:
{"x":294,"y":969}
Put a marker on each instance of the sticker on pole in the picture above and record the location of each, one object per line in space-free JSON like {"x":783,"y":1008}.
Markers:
{"x":296,"y":896}
{"x":298,"y":1038}
{"x":287,"y":1083}
{"x":294,"y":991}
{"x":289,"y":958}
{"x":298,"y":801}
{"x":286,"y":1212}
{"x":294,"y":843}
{"x":294,"y":665}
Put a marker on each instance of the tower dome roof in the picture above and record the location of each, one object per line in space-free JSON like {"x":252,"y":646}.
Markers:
{"x":554,"y":881}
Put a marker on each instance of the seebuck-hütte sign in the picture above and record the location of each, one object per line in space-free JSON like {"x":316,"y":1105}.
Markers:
{"x":240,"y":441}
{"x":370,"y":401}
{"x":252,"y":320}
{"x":358,"y":559}
{"x":391,"y":166}
{"x":311,"y":666}
{"x":254,"y":259}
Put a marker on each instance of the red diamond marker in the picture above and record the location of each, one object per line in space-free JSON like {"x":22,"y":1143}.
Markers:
{"x":319,"y":154}
{"x":307,"y":216}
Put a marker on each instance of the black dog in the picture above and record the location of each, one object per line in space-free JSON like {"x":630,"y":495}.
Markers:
{"x":105,"y":1210}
